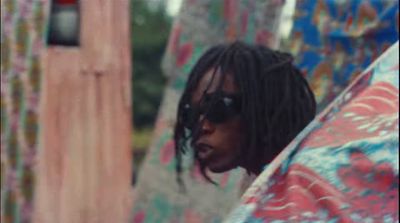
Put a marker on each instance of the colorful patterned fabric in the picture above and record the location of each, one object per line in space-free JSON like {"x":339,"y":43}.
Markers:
{"x":22,"y":28}
{"x":334,"y":41}
{"x":200,"y":24}
{"x":344,"y":166}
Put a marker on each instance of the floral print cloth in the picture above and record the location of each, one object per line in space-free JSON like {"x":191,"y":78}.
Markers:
{"x":22,"y":38}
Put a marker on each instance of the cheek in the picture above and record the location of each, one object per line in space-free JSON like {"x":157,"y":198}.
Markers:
{"x":234,"y":136}
{"x":236,"y":128}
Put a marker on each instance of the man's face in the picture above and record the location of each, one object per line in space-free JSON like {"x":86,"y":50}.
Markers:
{"x":220,"y":138}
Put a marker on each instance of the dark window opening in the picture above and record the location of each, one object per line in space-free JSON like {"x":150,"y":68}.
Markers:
{"x":64,"y":23}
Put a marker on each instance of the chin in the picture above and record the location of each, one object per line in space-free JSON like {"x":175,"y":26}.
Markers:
{"x":219,"y":169}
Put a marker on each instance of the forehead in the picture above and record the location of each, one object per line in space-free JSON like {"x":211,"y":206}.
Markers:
{"x":209,"y":84}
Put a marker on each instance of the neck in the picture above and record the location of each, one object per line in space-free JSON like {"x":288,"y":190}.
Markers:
{"x":252,"y":170}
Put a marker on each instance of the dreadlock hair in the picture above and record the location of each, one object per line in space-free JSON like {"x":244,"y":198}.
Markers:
{"x":276,"y":101}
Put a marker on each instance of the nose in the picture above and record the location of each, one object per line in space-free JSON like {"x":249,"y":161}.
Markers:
{"x":206,"y":126}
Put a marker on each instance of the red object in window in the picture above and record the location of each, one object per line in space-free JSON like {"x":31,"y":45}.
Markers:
{"x":65,"y":2}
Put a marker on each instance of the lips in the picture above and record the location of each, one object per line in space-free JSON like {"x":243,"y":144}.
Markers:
{"x":204,"y":151}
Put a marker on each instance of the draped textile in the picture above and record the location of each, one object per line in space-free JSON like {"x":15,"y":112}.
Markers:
{"x":22,"y":30}
{"x":334,"y":41}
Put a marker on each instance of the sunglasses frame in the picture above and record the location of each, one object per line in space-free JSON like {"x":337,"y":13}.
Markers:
{"x":209,"y":105}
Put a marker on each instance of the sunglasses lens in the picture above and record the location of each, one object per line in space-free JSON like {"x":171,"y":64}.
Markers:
{"x":223,"y":109}
{"x":219,"y":112}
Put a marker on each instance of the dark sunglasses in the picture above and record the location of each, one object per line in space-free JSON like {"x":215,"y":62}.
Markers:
{"x":216,"y":108}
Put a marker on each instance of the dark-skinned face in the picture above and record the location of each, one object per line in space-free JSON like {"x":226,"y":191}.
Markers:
{"x":219,"y":142}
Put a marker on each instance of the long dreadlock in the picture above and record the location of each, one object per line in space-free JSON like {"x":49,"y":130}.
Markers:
{"x":277,"y":102}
